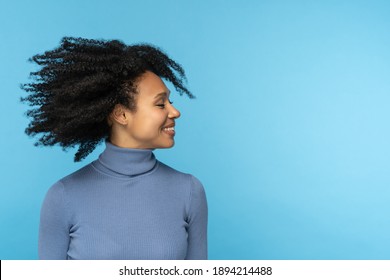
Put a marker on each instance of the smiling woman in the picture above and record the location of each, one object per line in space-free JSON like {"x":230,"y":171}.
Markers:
{"x":126,"y":204}
{"x":152,"y":125}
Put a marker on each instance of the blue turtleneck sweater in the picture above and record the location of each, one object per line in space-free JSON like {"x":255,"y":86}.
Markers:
{"x":124,"y":205}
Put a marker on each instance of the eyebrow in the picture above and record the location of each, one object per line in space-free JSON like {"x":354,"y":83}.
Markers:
{"x":162,"y":94}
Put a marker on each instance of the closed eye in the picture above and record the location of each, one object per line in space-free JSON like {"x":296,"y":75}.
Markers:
{"x":162,"y":105}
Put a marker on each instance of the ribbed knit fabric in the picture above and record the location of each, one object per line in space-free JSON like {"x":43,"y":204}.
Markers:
{"x":124,"y":205}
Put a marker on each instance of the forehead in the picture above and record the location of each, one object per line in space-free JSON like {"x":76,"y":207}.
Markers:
{"x":149,"y":85}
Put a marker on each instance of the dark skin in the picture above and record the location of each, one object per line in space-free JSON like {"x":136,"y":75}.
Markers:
{"x":151,"y":125}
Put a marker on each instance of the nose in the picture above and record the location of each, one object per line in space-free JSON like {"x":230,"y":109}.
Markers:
{"x":173,"y":112}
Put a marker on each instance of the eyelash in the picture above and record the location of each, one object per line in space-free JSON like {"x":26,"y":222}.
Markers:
{"x":162,"y":106}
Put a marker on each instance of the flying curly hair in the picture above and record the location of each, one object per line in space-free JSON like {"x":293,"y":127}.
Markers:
{"x":80,"y":82}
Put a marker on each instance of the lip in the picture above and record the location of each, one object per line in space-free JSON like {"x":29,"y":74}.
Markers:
{"x":169,"y":125}
{"x":169,"y":132}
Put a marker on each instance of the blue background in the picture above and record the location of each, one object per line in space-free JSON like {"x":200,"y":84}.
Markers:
{"x":289,"y":132}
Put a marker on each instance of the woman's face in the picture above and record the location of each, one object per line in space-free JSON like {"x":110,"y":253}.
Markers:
{"x":152,"y":124}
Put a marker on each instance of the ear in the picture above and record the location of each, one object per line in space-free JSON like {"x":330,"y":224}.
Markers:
{"x":119,"y":115}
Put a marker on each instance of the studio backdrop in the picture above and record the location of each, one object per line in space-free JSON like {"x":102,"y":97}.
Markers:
{"x":289,"y":133}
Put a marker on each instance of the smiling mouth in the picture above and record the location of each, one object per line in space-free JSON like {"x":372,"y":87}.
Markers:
{"x":169,"y":130}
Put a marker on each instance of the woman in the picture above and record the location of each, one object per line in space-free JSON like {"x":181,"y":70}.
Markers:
{"x":126,"y":204}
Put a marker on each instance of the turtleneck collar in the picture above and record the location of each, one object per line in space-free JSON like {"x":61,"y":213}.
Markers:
{"x":125,"y":161}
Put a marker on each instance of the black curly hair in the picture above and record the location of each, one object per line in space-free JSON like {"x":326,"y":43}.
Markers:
{"x":80,"y":82}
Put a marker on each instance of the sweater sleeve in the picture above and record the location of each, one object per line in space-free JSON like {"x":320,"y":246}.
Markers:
{"x":54,"y":226}
{"x":197,"y":219}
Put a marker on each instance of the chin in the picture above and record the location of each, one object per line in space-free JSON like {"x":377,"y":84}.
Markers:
{"x":167,"y":145}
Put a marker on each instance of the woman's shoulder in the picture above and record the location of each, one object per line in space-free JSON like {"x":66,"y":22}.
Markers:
{"x":85,"y":173}
{"x":173,"y":173}
{"x":82,"y":173}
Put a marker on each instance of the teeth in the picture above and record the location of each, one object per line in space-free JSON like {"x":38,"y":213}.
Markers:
{"x":170,"y":129}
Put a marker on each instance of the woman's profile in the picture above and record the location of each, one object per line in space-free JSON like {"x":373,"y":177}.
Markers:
{"x":126,"y":204}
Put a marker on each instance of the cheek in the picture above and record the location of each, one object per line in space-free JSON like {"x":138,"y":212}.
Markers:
{"x":151,"y":123}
